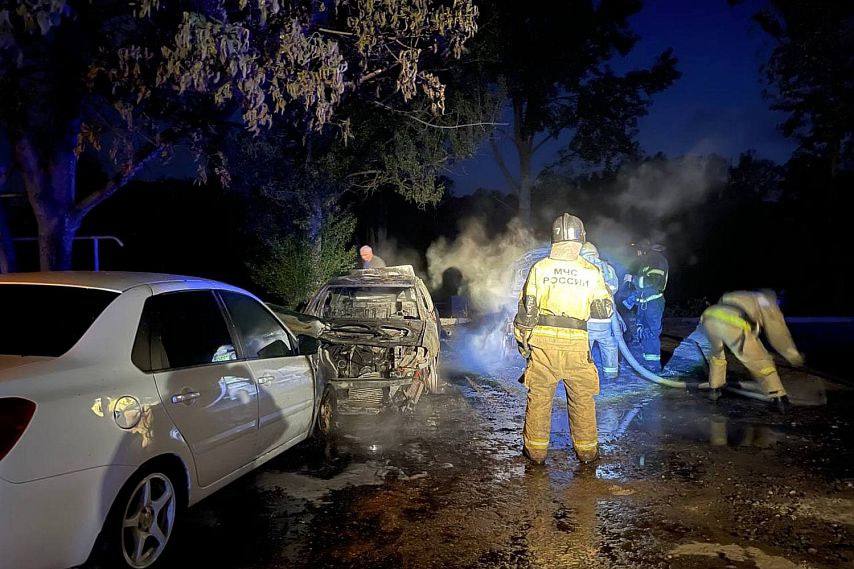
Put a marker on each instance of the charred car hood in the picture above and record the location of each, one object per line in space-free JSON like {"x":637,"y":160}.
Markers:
{"x":373,"y":332}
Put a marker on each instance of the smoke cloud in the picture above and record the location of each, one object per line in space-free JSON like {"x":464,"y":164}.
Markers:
{"x":666,"y":187}
{"x":650,"y":200}
{"x":484,"y":261}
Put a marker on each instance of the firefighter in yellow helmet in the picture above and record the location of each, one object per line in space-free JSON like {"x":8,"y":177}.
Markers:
{"x":560,"y":294}
{"x":736,"y":322}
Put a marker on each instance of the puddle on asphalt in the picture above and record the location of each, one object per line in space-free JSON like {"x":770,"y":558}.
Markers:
{"x":735,"y":553}
{"x":715,"y":430}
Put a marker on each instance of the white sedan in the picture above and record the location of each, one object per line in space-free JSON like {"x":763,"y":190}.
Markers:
{"x":125,"y":397}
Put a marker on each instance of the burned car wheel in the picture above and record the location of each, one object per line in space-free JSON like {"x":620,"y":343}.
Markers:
{"x":326,"y":417}
{"x":434,"y":383}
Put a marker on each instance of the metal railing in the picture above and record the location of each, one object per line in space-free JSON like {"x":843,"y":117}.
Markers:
{"x":96,"y":244}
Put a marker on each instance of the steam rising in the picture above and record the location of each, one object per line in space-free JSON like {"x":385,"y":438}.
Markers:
{"x":663,"y":188}
{"x":483,"y":260}
{"x":652,"y":196}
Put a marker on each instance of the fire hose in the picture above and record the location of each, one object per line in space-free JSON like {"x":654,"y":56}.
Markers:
{"x":744,"y":389}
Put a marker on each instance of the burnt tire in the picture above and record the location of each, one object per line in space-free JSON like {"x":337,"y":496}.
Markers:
{"x":139,"y":532}
{"x":327,"y":418}
{"x":434,"y":382}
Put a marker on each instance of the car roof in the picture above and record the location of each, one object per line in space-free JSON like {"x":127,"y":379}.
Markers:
{"x":117,"y":281}
{"x":399,"y":276}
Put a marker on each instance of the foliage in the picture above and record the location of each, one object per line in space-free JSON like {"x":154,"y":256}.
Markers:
{"x":753,"y":177}
{"x":291,"y":268}
{"x":810,"y":74}
{"x":133,"y":80}
{"x":554,"y":67}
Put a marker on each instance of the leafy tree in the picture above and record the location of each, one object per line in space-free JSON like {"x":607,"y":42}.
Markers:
{"x":755,"y":179}
{"x":553,"y":65}
{"x":130,"y":81}
{"x":289,"y":269}
{"x":810,"y":74}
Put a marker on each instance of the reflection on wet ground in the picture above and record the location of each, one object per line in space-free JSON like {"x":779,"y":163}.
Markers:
{"x":683,"y":482}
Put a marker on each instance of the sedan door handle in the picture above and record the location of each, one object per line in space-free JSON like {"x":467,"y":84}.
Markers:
{"x":265,"y":379}
{"x":185,"y":397}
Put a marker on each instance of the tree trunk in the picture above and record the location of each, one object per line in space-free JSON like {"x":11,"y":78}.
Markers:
{"x":56,"y":238}
{"x":8,"y":260}
{"x":50,"y":178}
{"x":524,"y":184}
{"x":524,"y":142}
{"x":315,"y":235}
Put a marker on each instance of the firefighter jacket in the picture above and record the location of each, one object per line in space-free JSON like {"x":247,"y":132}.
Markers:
{"x":608,"y":273}
{"x":649,"y":276}
{"x":558,"y":298}
{"x":755,"y":312}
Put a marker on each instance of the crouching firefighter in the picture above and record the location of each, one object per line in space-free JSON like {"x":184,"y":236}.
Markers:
{"x":562,"y":292}
{"x":599,"y":330}
{"x":736,"y":322}
{"x":649,"y":279}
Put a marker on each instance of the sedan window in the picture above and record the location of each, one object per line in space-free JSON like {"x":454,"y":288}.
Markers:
{"x":263,"y":337}
{"x":42,"y":320}
{"x":183,"y":329}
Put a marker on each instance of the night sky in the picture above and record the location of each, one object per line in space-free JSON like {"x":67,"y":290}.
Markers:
{"x":715,"y":107}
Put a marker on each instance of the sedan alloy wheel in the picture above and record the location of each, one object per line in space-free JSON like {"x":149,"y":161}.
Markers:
{"x":148,"y":520}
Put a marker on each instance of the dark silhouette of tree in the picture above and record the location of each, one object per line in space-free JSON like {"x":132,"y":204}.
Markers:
{"x":551,"y":61}
{"x":130,"y":81}
{"x":810,"y":75}
{"x":7,"y":245}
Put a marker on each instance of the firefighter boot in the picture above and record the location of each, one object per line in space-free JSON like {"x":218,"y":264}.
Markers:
{"x":781,"y":404}
{"x":535,"y":457}
{"x":587,"y":456}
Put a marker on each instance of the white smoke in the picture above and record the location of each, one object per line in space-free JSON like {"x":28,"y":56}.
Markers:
{"x":659,"y":192}
{"x":662,"y":188}
{"x":483,"y":260}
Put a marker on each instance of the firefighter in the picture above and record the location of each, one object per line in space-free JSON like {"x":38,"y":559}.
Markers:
{"x":648,"y":280}
{"x":560,"y":294}
{"x":599,"y":329}
{"x":736,"y":322}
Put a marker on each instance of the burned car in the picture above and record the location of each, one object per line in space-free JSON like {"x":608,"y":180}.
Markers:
{"x":380,"y":345}
{"x":297,"y":322}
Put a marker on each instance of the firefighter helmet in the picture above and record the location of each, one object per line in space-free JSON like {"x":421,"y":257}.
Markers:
{"x":567,"y":227}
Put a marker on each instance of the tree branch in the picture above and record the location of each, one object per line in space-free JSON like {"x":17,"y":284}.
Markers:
{"x":538,"y":145}
{"x":434,"y":125}
{"x":502,"y":165}
{"x":335,"y":32}
{"x":117,"y":182}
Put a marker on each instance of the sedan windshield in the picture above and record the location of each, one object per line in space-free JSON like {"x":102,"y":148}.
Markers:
{"x":40,"y":320}
{"x":371,"y":303}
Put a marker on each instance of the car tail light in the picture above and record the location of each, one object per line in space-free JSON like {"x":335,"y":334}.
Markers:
{"x":15,"y":415}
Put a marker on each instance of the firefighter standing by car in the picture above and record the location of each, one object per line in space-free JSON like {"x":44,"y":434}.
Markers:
{"x":562,"y":292}
{"x":647,"y":281}
{"x":736,"y":322}
{"x":599,"y":329}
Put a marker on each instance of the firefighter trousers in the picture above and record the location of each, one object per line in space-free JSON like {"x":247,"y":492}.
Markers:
{"x":599,"y":332}
{"x":748,"y":348}
{"x":650,"y":315}
{"x":552,"y":361}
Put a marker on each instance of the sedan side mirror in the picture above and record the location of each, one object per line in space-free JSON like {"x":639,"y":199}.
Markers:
{"x":307,"y":345}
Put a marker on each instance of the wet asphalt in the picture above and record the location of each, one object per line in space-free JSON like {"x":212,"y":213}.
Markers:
{"x":683,"y":482}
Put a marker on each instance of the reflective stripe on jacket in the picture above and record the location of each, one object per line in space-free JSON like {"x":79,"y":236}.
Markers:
{"x":564,"y":288}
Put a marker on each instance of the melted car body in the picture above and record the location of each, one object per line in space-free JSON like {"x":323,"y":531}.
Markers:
{"x":380,"y":344}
